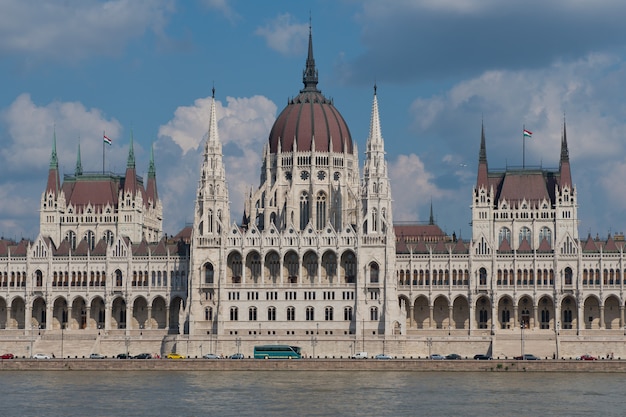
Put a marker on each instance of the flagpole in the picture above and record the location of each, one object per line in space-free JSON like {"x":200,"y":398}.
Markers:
{"x":103,"y":135}
{"x":523,"y":147}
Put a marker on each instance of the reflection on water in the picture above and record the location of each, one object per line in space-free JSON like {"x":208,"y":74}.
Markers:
{"x":301,"y":393}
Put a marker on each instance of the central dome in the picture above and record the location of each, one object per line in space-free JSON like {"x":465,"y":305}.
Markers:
{"x":310,"y":119}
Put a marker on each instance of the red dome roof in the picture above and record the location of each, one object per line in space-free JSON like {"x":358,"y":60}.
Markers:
{"x":310,"y":116}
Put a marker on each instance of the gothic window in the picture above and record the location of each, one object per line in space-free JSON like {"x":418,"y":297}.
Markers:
{"x":118,"y":278}
{"x":545,"y":233}
{"x":271,"y":314}
{"x":90,"y":237}
{"x":208,"y":314}
{"x":482,"y":276}
{"x":374,"y":273}
{"x":328,"y":314}
{"x":209,"y":226}
{"x":304,"y":210}
{"x":310,"y":313}
{"x":568,"y":276}
{"x":234,"y":314}
{"x":321,"y":210}
{"x":524,"y":234}
{"x":252,"y":314}
{"x":374,"y":313}
{"x":505,"y":233}
{"x":71,"y":237}
{"x":208,"y":273}
{"x":108,"y":237}
{"x":374,"y":220}
{"x":291,"y":313}
{"x":347,"y":313}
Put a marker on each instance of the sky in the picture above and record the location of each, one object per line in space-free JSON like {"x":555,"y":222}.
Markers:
{"x":443,"y":69}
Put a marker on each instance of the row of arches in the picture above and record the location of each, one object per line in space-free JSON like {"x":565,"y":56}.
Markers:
{"x":509,"y":313}
{"x":82,"y":314}
{"x":291,"y":268}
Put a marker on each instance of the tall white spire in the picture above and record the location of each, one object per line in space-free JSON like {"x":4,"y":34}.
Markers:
{"x":212,"y":205}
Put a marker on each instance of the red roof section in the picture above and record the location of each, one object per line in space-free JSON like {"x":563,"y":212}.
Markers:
{"x":310,"y":116}
{"x":528,"y":185}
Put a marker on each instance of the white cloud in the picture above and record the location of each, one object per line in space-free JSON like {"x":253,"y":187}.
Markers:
{"x":75,"y":29}
{"x":284,"y":35}
{"x":412,"y":187}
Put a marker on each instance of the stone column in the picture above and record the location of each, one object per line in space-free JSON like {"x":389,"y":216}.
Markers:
{"x":49,"y":314}
{"x":129,"y":316}
{"x":450,"y":317}
{"x":515,"y":316}
{"x":621,"y":316}
{"x":149,"y":317}
{"x":602,"y":317}
{"x":69,"y":318}
{"x":431,"y":309}
{"x":9,"y":318}
{"x":107,"y":315}
{"x":28,"y":316}
{"x":535,"y":321}
{"x":411,"y":315}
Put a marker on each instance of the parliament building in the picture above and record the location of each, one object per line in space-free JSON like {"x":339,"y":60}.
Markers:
{"x":316,"y":261}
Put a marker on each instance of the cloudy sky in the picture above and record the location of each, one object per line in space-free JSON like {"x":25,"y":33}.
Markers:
{"x":442,"y":68}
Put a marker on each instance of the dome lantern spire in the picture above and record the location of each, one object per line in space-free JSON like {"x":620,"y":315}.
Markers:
{"x":309,"y":75}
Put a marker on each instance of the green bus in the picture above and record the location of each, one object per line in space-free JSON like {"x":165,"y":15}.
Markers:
{"x":277,"y":352}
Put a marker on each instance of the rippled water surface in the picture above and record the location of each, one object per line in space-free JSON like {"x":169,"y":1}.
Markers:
{"x":300,"y":393}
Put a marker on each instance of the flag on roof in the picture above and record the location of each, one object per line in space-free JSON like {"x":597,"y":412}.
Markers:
{"x":107,"y":140}
{"x":528,"y":133}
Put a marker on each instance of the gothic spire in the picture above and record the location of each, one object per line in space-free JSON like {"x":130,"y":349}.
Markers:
{"x":53,"y":185}
{"x":564,"y":167}
{"x":151,"y":167}
{"x":482,"y":179}
{"x":431,"y":220}
{"x":131,"y":153}
{"x":309,"y":75}
{"x":79,"y":165}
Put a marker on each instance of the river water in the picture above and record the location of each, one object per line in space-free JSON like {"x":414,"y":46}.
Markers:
{"x":306,"y":393}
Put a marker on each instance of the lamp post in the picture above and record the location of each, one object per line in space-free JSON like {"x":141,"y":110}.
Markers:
{"x":429,"y":343}
{"x":127,"y":343}
{"x":62,"y":328}
{"x":556,"y":331}
{"x":238,"y":343}
{"x":200,"y":350}
{"x":313,"y":344}
{"x":522,"y":336}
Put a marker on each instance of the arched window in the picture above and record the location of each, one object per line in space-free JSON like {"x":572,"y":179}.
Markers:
{"x":374,"y":313}
{"x":482,"y":276}
{"x":71,"y":237}
{"x":310,"y":313}
{"x":320,"y":208}
{"x":271,"y":314}
{"x":304,"y":209}
{"x":524,"y":234}
{"x":252,"y":314}
{"x":568,"y":276}
{"x":374,"y":273}
{"x":208,"y":273}
{"x":90,"y":237}
{"x":291,"y":313}
{"x":347,"y":313}
{"x":545,"y":233}
{"x":208,"y":313}
{"x":505,"y":233}
{"x":328,"y":313}
{"x":38,"y":278}
{"x":118,"y":278}
{"x":234,"y":314}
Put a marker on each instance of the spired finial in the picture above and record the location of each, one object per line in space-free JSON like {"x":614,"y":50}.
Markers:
{"x":375,"y":87}
{"x":213,"y":91}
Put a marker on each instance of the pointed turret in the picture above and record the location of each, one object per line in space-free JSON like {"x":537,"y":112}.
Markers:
{"x":53,"y":186}
{"x":212,"y":211}
{"x":130,"y":184}
{"x":564,"y":168}
{"x":431,"y":220}
{"x":482,"y":179}
{"x":79,"y":165}
{"x":151,"y":190}
{"x":377,"y":190}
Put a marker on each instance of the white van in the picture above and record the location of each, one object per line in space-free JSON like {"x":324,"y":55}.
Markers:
{"x":360,"y":355}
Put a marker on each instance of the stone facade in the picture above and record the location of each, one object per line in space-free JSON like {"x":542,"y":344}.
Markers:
{"x":316,"y":261}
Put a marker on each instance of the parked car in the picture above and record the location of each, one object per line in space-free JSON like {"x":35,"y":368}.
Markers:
{"x":7,"y":356}
{"x":360,"y":355}
{"x":437,"y":357}
{"x":41,"y":356}
{"x":587,"y":357}
{"x":382,"y":356}
{"x":453,"y":356}
{"x":482,"y":357}
{"x":123,"y":356}
{"x":236,"y":356}
{"x":527,"y":357}
{"x":174,"y":355}
{"x":96,"y":356}
{"x":211,"y":356}
{"x":143,"y":356}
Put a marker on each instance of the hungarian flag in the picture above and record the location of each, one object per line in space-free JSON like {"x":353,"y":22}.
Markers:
{"x":107,"y":140}
{"x":528,"y":133}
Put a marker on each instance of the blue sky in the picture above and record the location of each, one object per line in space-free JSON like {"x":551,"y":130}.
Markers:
{"x":442,"y":68}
